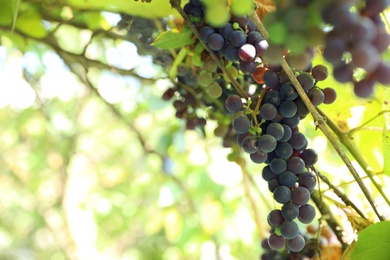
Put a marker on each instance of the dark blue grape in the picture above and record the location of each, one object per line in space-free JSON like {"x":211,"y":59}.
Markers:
{"x":278,"y":165}
{"x":216,"y":41}
{"x":226,"y":30}
{"x":276,"y":242}
{"x":300,"y":195}
{"x":287,"y":179}
{"x":271,"y":79}
{"x":284,"y":150}
{"x":233,"y":103}
{"x":241,"y":124}
{"x":307,"y":180}
{"x":259,"y":157}
{"x":276,"y":130}
{"x":289,"y":229}
{"x":231,"y":53}
{"x":296,"y":165}
{"x":249,"y":144}
{"x":267,"y":143}
{"x":292,"y":121}
{"x":296,"y":244}
{"x":205,"y":32}
{"x":268,"y":111}
{"x":273,"y":98}
{"x":237,"y":38}
{"x":267,"y":174}
{"x":306,"y":80}
{"x":287,"y":91}
{"x":287,"y":133}
{"x":309,"y":156}
{"x":288,"y":109}
{"x":282,"y":194}
{"x":273,"y":184}
{"x":254,"y":37}
{"x":275,"y":218}
{"x":297,"y":140}
{"x":307,"y":213}
{"x":289,"y":211}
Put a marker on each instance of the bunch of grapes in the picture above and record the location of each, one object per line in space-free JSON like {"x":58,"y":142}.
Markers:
{"x":323,"y":240}
{"x":355,"y":44}
{"x":267,"y":128}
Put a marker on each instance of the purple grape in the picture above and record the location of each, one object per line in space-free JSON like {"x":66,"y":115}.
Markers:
{"x":276,"y":242}
{"x":296,"y":244}
{"x":289,"y":211}
{"x":307,"y":213}
{"x":289,"y":229}
{"x":300,"y":195}
{"x":216,"y":41}
{"x":282,"y":194}
{"x":275,"y":218}
{"x":233,"y":103}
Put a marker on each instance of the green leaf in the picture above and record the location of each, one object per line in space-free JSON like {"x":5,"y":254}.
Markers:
{"x":15,"y":10}
{"x":30,"y":23}
{"x":373,"y":242}
{"x":174,"y":38}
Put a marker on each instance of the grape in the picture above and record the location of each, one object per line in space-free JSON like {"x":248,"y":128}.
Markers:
{"x":288,"y":109}
{"x":289,"y":229}
{"x":214,"y":90}
{"x":254,"y":37}
{"x":330,"y":95}
{"x":366,"y":56}
{"x":320,"y":72}
{"x":289,"y":211}
{"x":196,"y":12}
{"x":278,"y":165}
{"x":273,"y":54}
{"x":362,"y":29}
{"x":306,"y":80}
{"x":276,"y":130}
{"x":374,"y":7}
{"x":268,"y":111}
{"x":309,"y":156}
{"x":273,"y":97}
{"x":273,"y":184}
{"x":197,"y":3}
{"x":297,"y":140}
{"x":276,"y":242}
{"x":300,"y":195}
{"x":241,"y":124}
{"x":233,"y":103}
{"x":334,"y":50}
{"x":205,"y":78}
{"x":295,"y":164}
{"x":292,"y":121}
{"x":168,"y":94}
{"x":382,"y":40}
{"x":267,"y":143}
{"x":282,"y":194}
{"x":382,"y":73}
{"x":249,"y":144}
{"x":364,"y":88}
{"x":287,"y":133}
{"x":307,"y":180}
{"x":275,"y":218}
{"x":237,"y":38}
{"x":288,"y":92}
{"x":284,"y":150}
{"x":343,"y":73}
{"x":271,"y":79}
{"x":296,"y":244}
{"x":316,"y":96}
{"x":247,"y":67}
{"x":306,"y":213}
{"x":302,"y":109}
{"x":258,"y":157}
{"x":267,"y":174}
{"x":210,"y":65}
{"x":300,"y":61}
{"x":247,"y":52}
{"x":287,"y":179}
{"x":205,"y":32}
{"x":226,"y":30}
{"x":261,"y":47}
{"x":241,"y":137}
{"x":216,"y":41}
{"x":258,"y":75}
{"x":231,"y":53}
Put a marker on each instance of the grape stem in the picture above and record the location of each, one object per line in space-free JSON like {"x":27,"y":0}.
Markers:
{"x":320,"y":121}
{"x":345,"y":139}
{"x":338,"y":192}
{"x":354,"y":130}
{"x":176,"y":4}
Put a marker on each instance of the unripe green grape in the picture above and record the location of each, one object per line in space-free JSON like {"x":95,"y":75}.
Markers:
{"x":233,"y":71}
{"x":205,"y":78}
{"x":214,"y":90}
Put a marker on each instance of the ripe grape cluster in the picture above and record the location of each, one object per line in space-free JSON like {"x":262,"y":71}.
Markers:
{"x":267,"y":128}
{"x":315,"y":240}
{"x":355,"y":43}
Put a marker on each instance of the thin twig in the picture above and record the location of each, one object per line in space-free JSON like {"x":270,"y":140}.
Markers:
{"x":338,"y":192}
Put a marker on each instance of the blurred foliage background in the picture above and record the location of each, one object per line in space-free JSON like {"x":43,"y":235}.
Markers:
{"x":94,"y":164}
